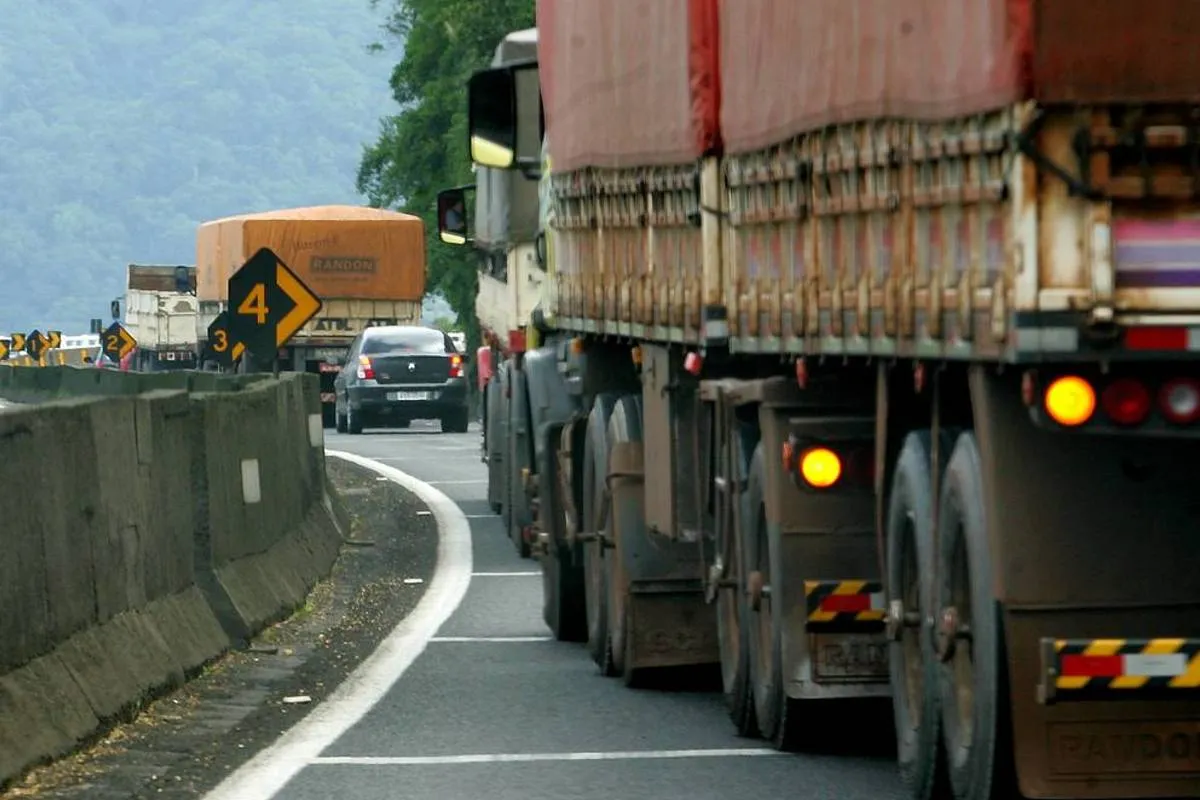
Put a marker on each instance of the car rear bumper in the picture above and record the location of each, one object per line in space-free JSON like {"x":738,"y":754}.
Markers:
{"x":420,"y":401}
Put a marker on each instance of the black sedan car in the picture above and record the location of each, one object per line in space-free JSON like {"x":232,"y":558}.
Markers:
{"x":399,"y":373}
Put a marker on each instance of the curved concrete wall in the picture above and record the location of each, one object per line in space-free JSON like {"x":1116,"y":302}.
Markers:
{"x":150,"y":522}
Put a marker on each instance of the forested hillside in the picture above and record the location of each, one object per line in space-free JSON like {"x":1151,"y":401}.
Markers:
{"x":423,"y":150}
{"x":125,"y":123}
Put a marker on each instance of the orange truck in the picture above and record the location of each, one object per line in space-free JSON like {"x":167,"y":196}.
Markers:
{"x":868,"y":370}
{"x":367,"y":265}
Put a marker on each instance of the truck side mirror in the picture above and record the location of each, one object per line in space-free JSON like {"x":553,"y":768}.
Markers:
{"x":504,"y":118}
{"x":452,"y":215}
{"x":492,"y":118}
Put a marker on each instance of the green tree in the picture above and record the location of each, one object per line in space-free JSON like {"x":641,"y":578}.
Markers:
{"x":423,"y":148}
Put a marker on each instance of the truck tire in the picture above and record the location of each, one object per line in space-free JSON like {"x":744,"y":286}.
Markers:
{"x":774,"y":711}
{"x":978,"y":760}
{"x":493,"y":435}
{"x":562,"y":575}
{"x":626,"y":519}
{"x":733,"y":613}
{"x":517,"y":504}
{"x":353,"y":421}
{"x":595,"y":463}
{"x":913,"y":662}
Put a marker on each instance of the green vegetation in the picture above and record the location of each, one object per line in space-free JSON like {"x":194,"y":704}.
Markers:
{"x":422,"y":149}
{"x":125,"y":123}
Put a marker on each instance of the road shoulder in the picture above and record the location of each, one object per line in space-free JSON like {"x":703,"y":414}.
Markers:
{"x":186,"y":742}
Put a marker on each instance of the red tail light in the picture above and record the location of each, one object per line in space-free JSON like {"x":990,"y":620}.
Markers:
{"x":1179,"y":400}
{"x":456,"y":367}
{"x":366,"y":372}
{"x":1126,"y":401}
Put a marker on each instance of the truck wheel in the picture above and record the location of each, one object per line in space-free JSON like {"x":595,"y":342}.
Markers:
{"x":626,"y":521}
{"x":595,"y":460}
{"x":972,"y":696}
{"x":909,"y":588}
{"x":328,"y":415}
{"x":562,"y":576}
{"x":772,"y":708}
{"x":493,"y":437}
{"x":518,"y":502}
{"x":733,"y":613}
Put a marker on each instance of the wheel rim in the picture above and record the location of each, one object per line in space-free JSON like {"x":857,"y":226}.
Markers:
{"x":961,"y":662}
{"x":727,"y":603}
{"x":910,"y":637}
{"x":764,"y":629}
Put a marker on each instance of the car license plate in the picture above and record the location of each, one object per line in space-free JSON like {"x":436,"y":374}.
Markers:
{"x":408,"y":395}
{"x":849,"y":657}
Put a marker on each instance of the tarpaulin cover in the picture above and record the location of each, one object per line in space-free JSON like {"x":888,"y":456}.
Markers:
{"x":618,"y":79}
{"x":788,"y":66}
{"x":642,"y":82}
{"x":342,"y":252}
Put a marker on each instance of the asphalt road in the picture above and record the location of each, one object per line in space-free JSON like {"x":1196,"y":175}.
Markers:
{"x":494,"y":708}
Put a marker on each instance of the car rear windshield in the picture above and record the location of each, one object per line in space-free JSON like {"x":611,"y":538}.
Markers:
{"x":418,"y":341}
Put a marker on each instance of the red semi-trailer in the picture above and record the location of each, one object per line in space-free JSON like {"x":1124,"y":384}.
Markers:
{"x":867,"y":369}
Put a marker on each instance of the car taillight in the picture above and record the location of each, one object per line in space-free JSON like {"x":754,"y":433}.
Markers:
{"x":1126,"y":401}
{"x":456,"y":367}
{"x":1179,"y":400}
{"x":366,"y":372}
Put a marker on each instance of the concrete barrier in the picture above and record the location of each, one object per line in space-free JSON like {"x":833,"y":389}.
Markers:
{"x":146,"y":530}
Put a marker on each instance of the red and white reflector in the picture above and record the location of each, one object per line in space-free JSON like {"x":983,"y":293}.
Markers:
{"x":1165,"y":665}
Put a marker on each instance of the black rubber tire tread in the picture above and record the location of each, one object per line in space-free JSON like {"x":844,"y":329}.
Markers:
{"x":625,"y":425}
{"x":563,"y":609}
{"x":764,"y":658}
{"x":516,"y":502}
{"x":456,"y":421}
{"x":983,"y":770}
{"x":732,"y":602}
{"x":595,"y":578}
{"x":918,"y":744}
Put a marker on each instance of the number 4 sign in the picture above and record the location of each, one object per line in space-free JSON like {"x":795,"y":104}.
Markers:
{"x":268,"y":304}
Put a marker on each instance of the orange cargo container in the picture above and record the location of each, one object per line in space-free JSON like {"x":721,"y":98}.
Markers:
{"x":348,"y":252}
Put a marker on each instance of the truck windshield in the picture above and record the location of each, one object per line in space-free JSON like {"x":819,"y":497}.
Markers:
{"x":410,"y":341}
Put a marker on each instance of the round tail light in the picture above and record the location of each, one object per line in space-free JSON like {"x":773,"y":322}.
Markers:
{"x":1126,"y":401}
{"x":1179,"y":400}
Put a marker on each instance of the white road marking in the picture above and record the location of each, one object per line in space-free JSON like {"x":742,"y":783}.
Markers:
{"x":491,"y":639}
{"x":268,"y":772}
{"x":526,"y":574}
{"x":494,"y":758}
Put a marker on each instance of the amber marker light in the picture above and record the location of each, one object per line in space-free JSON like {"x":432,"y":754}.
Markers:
{"x":820,"y":467}
{"x":1070,"y":401}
